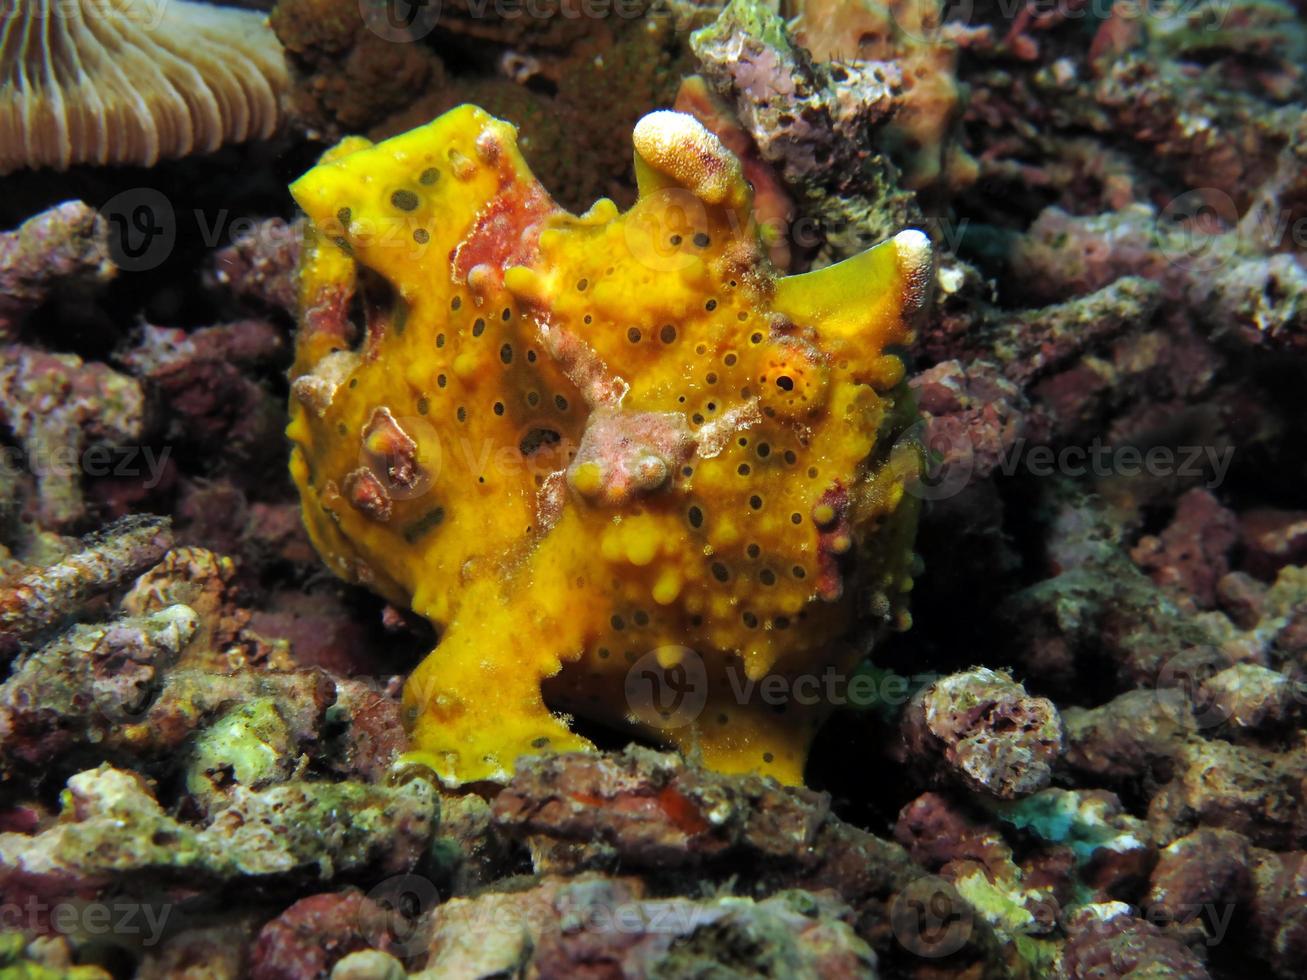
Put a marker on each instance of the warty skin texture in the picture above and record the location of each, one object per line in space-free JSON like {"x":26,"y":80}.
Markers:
{"x":611,"y":457}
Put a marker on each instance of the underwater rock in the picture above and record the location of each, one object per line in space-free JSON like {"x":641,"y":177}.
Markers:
{"x":1272,"y":539}
{"x":62,"y":248}
{"x":1071,"y":847}
{"x":574,"y":81}
{"x":1207,"y":135}
{"x":1071,"y":362}
{"x":217,"y":952}
{"x":1136,"y":735}
{"x":528,"y":377}
{"x":564,"y":927}
{"x":206,"y":582}
{"x":982,"y":729}
{"x":1034,"y":343}
{"x":1191,"y":554}
{"x":1113,"y":851}
{"x":1225,"y":276}
{"x":1283,"y":626}
{"x":203,"y":380}
{"x":1030,"y":344}
{"x":315,"y":934}
{"x":814,"y":123}
{"x":69,"y":417}
{"x":1198,"y":871}
{"x":471,"y":851}
{"x":924,"y":137}
{"x":36,"y":599}
{"x":91,"y":677}
{"x":655,"y":814}
{"x":1279,"y":913}
{"x":368,"y":964}
{"x":1021,"y":902}
{"x":261,"y":264}
{"x":42,"y":959}
{"x":1163,"y":124}
{"x":1106,"y":938}
{"x":181,"y":682}
{"x":1101,"y":607}
{"x":113,"y":830}
{"x":937,"y":831}
{"x":56,"y":710}
{"x":257,"y":534}
{"x":1254,"y":791}
{"x":346,"y":76}
{"x":974,"y":417}
{"x":1253,"y":697}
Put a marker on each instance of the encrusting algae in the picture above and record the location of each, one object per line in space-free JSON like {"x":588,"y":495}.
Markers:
{"x":623,"y":467}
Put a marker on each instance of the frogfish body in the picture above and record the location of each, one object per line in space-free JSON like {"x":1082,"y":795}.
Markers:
{"x":629,"y":473}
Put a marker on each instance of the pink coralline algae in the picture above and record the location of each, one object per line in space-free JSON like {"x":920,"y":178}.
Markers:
{"x":1084,"y":761}
{"x":67,"y":246}
{"x":983,"y":730}
{"x":67,"y":415}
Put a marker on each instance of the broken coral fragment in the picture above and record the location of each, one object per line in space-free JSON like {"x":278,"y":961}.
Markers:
{"x":604,"y":453}
{"x":64,"y":247}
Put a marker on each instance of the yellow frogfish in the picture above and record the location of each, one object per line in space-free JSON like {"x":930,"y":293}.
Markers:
{"x":628,"y":472}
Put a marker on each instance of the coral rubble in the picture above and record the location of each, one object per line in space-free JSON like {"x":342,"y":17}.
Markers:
{"x":812,"y":122}
{"x":63,"y":247}
{"x":645,"y":467}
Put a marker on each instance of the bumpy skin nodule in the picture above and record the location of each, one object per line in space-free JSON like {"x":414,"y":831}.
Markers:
{"x":618,"y":462}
